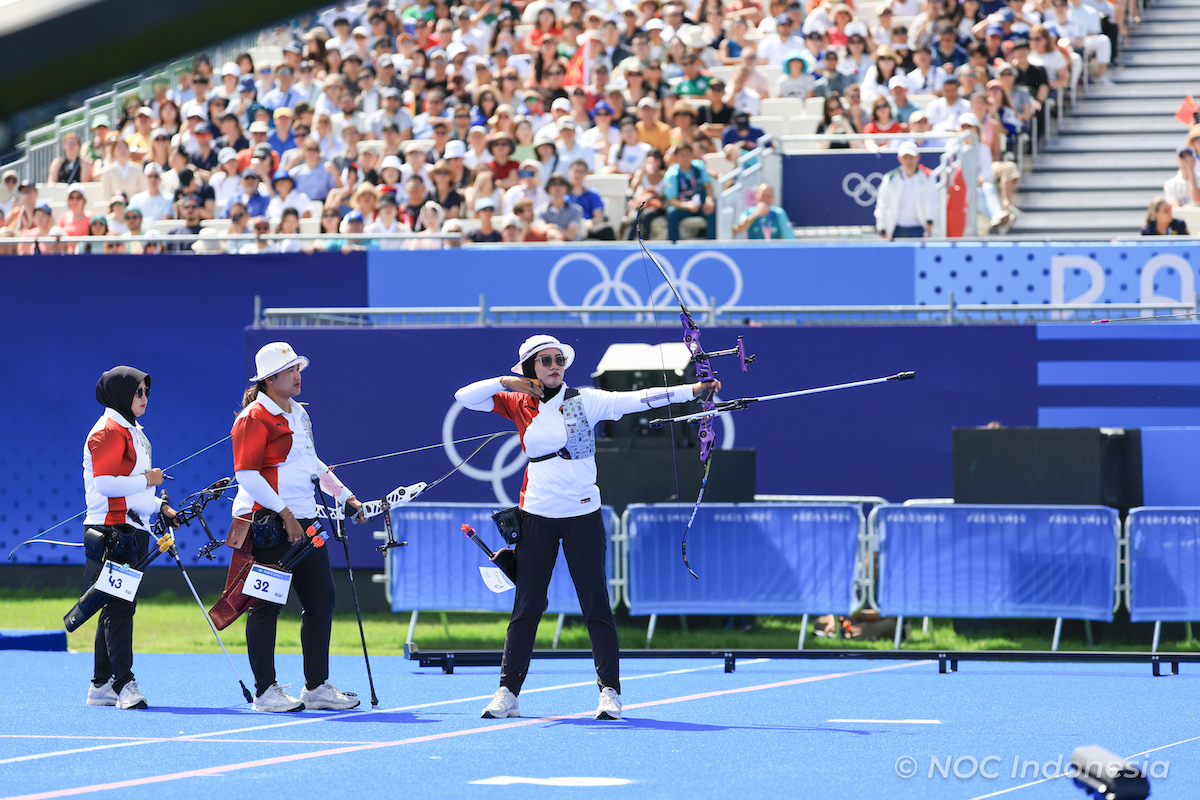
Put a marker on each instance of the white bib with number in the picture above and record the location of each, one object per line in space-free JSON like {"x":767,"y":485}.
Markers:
{"x":119,"y":580}
{"x":496,"y":580}
{"x":268,"y":584}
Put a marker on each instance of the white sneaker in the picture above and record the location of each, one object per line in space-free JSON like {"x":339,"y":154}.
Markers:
{"x":275,"y":699}
{"x":131,"y":697}
{"x":610,"y":704}
{"x":102,"y":695}
{"x":504,"y":704}
{"x":328,"y":696}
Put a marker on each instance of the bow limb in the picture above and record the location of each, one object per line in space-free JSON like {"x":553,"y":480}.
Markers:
{"x":704,"y":372}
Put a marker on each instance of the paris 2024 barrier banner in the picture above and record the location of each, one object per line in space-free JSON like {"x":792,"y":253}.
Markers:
{"x":742,"y":274}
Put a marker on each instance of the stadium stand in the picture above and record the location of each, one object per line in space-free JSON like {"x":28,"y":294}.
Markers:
{"x":363,"y":87}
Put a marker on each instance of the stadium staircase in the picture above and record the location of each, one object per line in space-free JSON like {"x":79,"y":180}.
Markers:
{"x":1095,"y":177}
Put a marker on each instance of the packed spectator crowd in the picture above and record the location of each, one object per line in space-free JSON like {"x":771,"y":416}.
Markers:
{"x":401,"y":118}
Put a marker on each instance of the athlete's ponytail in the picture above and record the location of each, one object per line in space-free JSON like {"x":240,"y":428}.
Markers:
{"x":251,"y":394}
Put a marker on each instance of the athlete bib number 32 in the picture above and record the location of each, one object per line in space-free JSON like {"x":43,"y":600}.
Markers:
{"x":268,"y":584}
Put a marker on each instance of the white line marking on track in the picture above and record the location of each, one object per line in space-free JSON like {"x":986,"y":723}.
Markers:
{"x":520,"y":723}
{"x":357,"y":714}
{"x":891,"y":721}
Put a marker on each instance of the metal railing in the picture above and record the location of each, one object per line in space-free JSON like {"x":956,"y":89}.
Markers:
{"x":763,"y":164}
{"x":42,"y":145}
{"x":949,"y":314}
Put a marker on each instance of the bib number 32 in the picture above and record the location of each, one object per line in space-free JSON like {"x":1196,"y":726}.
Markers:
{"x":268,"y":584}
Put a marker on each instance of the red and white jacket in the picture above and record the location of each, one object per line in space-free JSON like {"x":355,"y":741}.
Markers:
{"x":557,"y":487}
{"x":275,"y":460}
{"x":116,"y":458}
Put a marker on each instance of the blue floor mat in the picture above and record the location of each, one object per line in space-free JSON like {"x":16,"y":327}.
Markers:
{"x":822,"y":729}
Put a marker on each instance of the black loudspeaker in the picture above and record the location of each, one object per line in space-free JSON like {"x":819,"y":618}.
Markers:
{"x":637,"y":426}
{"x":1048,"y":466}
{"x":646,"y":474}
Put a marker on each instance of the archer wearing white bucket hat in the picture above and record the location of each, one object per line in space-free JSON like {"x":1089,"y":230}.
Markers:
{"x":560,"y":502}
{"x":276,"y":357}
{"x":275,"y":463}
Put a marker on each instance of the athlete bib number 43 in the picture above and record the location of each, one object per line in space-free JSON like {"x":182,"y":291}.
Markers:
{"x":268,"y":584}
{"x":119,"y":580}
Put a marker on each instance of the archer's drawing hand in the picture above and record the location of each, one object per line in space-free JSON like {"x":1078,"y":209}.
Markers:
{"x":529,"y":386}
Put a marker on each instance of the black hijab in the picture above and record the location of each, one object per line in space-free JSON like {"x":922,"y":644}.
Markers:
{"x":116,"y":387}
{"x":530,"y":372}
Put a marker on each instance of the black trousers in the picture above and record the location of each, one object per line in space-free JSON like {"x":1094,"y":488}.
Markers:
{"x":585,"y":545}
{"x":312,"y":581}
{"x":114,"y":627}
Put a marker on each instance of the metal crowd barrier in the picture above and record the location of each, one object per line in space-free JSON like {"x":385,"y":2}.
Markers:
{"x":1161,"y":550}
{"x":439,"y":569}
{"x":976,"y":561}
{"x":951,"y":313}
{"x":752,"y":558}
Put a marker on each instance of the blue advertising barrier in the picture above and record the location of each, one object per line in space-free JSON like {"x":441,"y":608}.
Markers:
{"x":837,"y":187}
{"x":997,"y":561}
{"x":439,"y":569}
{"x":1164,"y":564}
{"x":732,"y":274}
{"x":753,"y":558}
{"x":772,"y":274}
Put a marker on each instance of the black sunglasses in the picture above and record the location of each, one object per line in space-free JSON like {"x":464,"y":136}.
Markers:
{"x":546,"y":361}
{"x":142,"y":392}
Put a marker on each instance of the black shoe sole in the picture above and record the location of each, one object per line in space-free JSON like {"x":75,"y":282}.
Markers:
{"x":489,"y":715}
{"x":140,"y":706}
{"x":606,"y":715}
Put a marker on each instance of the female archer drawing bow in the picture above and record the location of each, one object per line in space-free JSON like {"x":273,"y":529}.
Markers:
{"x":560,"y":501}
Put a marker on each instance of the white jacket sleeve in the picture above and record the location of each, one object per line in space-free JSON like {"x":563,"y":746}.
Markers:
{"x":120,"y":485}
{"x":331,"y":485}
{"x":614,"y":405}
{"x":259,"y":490}
{"x":478,"y":395}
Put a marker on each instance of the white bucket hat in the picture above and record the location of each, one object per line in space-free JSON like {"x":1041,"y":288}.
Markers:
{"x":276,"y":357}
{"x":535,"y":344}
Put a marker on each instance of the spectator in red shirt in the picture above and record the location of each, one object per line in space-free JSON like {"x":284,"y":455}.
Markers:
{"x":882,"y":121}
{"x":501,"y":147}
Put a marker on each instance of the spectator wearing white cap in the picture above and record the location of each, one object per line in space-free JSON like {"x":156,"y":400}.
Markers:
{"x":455,"y":157}
{"x":225,"y":179}
{"x":142,"y":136}
{"x":75,"y":219}
{"x":152,"y":202}
{"x":485,"y":211}
{"x":902,"y":107}
{"x":570,"y":149}
{"x":529,"y":186}
{"x":651,"y":130}
{"x":1000,"y":220}
{"x":231,"y":75}
{"x":906,"y":203}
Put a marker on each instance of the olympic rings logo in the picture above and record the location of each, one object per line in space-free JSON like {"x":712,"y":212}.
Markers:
{"x":502,"y":467}
{"x":612,"y":286}
{"x":862,"y":190}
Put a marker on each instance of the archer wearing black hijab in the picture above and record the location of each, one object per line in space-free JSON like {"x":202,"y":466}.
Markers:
{"x":119,"y":485}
